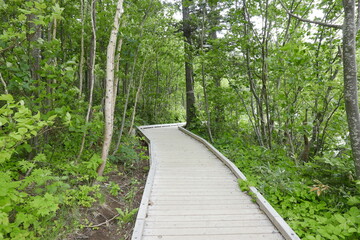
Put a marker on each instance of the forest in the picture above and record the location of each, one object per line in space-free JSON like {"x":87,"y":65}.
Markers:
{"x":271,"y":83}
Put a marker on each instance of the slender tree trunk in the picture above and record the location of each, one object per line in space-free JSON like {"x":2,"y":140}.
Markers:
{"x":92,"y":74}
{"x":264,"y":78}
{"x":35,"y":52}
{"x":109,"y":89}
{"x":218,"y":111}
{"x":81,"y":65}
{"x":127,"y":96}
{"x":4,"y":84}
{"x":32,"y":36}
{"x":157,"y":87}
{"x":137,"y":97}
{"x":117,"y":68}
{"x":190,"y":95}
{"x":214,"y":22}
{"x":350,"y":81}
{"x":129,"y":87}
{"x":257,"y":111}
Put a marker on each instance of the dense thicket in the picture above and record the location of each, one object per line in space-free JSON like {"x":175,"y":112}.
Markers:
{"x":275,"y":93}
{"x":268,"y":87}
{"x":53,"y":57}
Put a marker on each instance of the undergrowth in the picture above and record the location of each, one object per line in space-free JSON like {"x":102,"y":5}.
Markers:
{"x":43,"y":184}
{"x":319,"y":199}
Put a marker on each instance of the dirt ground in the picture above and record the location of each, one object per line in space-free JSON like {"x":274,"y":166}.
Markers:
{"x":103,"y":217}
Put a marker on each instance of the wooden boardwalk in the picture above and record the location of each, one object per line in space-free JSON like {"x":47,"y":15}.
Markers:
{"x":192,"y":195}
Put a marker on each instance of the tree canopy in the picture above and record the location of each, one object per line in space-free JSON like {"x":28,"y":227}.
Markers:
{"x":273,"y":84}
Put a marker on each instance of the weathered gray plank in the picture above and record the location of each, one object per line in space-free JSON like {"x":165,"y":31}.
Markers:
{"x":208,"y":224}
{"x":218,"y":237}
{"x":184,"y":212}
{"x":209,"y":207}
{"x":201,"y":218}
{"x":210,"y":231}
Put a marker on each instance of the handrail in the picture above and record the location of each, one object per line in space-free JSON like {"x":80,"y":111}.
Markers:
{"x":273,"y":215}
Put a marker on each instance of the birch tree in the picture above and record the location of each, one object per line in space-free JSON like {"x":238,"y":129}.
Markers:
{"x":109,"y":88}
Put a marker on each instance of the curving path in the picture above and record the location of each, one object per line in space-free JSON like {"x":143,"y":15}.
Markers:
{"x":192,"y":195}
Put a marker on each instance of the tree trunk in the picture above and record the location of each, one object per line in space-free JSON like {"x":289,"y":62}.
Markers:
{"x":92,"y":74}
{"x":81,"y":65}
{"x":214,"y":22}
{"x":127,"y":96}
{"x":137,"y":97}
{"x":190,"y":96}
{"x":35,"y":52}
{"x":350,"y":81}
{"x":218,"y":111}
{"x":4,"y":84}
{"x":129,"y":85}
{"x":109,"y":88}
{"x":117,"y":68}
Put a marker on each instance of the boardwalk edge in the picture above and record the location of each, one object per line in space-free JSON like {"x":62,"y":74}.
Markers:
{"x":265,"y":206}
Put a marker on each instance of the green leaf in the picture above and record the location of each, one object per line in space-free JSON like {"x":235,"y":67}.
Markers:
{"x":15,"y":136}
{"x":352,"y":230}
{"x":22,"y":130}
{"x":3,"y":121}
{"x":340,"y":218}
{"x":51,"y":118}
{"x":7,"y":97}
{"x":4,"y":156}
{"x":353,"y":200}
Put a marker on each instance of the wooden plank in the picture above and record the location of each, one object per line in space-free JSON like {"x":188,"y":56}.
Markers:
{"x":204,"y":194}
{"x":195,"y":197}
{"x":209,"y":207}
{"x":218,"y":237}
{"x":207,"y":224}
{"x":201,"y":218}
{"x":184,"y":212}
{"x":196,"y":202}
{"x":210,"y":231}
{"x":189,"y":178}
{"x":190,"y":175}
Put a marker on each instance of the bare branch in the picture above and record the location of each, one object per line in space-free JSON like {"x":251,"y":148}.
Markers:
{"x":16,"y":43}
{"x":103,"y":223}
{"x":311,"y":21}
{"x":4,"y":83}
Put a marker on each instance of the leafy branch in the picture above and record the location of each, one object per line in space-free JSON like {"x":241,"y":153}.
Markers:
{"x":337,"y":26}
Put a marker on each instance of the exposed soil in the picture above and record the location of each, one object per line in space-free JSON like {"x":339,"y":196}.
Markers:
{"x":103,"y":216}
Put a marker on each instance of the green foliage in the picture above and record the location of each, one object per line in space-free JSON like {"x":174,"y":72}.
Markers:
{"x":18,"y":125}
{"x":84,"y":196}
{"x":114,"y":189}
{"x":130,"y":153}
{"x":42,"y":119}
{"x":244,"y":185}
{"x":325,"y":207}
{"x":126,"y":216}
